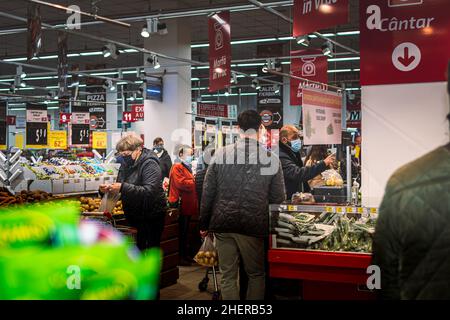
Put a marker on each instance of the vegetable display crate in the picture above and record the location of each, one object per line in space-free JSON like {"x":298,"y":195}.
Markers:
{"x":324,"y":275}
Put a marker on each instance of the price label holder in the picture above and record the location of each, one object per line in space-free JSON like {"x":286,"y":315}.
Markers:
{"x":373,"y":212}
{"x":340,"y":210}
{"x":330,"y":209}
{"x":351,"y":210}
{"x":291,"y":208}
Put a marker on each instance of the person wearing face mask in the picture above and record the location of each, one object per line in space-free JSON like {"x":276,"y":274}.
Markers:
{"x":164,"y":158}
{"x":296,"y":176}
{"x":139,"y":183}
{"x":182,"y":193}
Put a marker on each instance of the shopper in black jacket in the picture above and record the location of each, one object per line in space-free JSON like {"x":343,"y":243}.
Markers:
{"x":296,"y":176}
{"x":165,"y":162}
{"x":201,"y":173}
{"x":239,"y":186}
{"x":140,"y":185}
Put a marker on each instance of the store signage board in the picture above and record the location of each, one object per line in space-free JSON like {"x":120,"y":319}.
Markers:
{"x":407,"y":39}
{"x":11,"y":120}
{"x":269,"y":103}
{"x":37,"y":116}
{"x":314,"y":15}
{"x":138,"y":112}
{"x":322,"y":111}
{"x":99,"y":140}
{"x":310,"y":68}
{"x":127,"y":116}
{"x":65,"y":118}
{"x":21,"y":122}
{"x":219,"y":51}
{"x":212,"y":110}
{"x":57,"y":140}
{"x":80,"y":118}
{"x":80,"y":135}
{"x":96,"y":102}
{"x":36,"y":126}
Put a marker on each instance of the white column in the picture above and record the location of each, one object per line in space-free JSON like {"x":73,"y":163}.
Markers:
{"x":169,"y":119}
{"x":111,"y":115}
{"x":399,"y":124}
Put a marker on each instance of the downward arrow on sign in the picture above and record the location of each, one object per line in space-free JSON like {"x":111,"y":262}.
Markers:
{"x":406,"y":60}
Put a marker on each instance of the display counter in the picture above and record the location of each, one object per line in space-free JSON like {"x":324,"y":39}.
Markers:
{"x":326,"y":248}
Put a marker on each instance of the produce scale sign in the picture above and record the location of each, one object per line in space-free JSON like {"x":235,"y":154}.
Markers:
{"x":404,"y":41}
{"x":313,"y":66}
{"x":322,"y":111}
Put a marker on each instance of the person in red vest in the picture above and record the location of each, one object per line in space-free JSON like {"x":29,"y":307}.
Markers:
{"x":182,"y":194}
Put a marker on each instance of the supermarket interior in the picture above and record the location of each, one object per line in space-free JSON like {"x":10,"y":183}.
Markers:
{"x":224,"y":150}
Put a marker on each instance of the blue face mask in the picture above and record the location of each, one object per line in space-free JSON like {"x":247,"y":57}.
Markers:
{"x":126,"y":161}
{"x":158,"y":148}
{"x":296,"y":145}
{"x":188,"y":160}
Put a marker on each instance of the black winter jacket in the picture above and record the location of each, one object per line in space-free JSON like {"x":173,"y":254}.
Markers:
{"x":296,"y":176}
{"x":238,"y":189}
{"x":142,"y":194}
{"x":199,"y":180}
{"x":165,"y":162}
{"x":412,"y":237}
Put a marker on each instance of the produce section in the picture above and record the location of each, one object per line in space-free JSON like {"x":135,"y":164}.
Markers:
{"x":326,"y":248}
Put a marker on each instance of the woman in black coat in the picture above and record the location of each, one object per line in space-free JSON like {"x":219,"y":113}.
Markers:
{"x":140,"y":184}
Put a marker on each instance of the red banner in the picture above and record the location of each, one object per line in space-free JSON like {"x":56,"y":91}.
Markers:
{"x":404,"y":41}
{"x":212,"y":110}
{"x":11,"y":120}
{"x":311,"y":68}
{"x":219,"y":51}
{"x":138,"y":112}
{"x":127,"y":116}
{"x":314,"y":15}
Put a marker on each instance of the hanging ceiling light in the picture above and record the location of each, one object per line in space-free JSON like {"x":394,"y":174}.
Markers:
{"x":22,"y":84}
{"x":234,"y":78}
{"x":20,"y":73}
{"x":52,"y":95}
{"x":110,"y":50}
{"x":228,"y":92}
{"x":327,"y":49}
{"x":153,"y":61}
{"x":255,"y":84}
{"x":270,"y":65}
{"x":109,"y":84}
{"x":133,"y":96}
{"x":12,"y":88}
{"x":144,"y":31}
{"x":303,"y":40}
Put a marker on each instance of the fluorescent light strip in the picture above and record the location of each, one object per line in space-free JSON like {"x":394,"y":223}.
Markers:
{"x":104,"y":73}
{"x":48,"y":57}
{"x":253,"y":41}
{"x":129,"y":72}
{"x":343,"y":59}
{"x":17,"y":109}
{"x":15,"y":59}
{"x":348,"y":33}
{"x":353,"y":89}
{"x":95,"y":53}
{"x":339,"y":70}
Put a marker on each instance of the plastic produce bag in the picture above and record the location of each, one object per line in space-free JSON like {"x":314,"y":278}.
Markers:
{"x":207,"y":255}
{"x":109,"y":202}
{"x":332,"y":178}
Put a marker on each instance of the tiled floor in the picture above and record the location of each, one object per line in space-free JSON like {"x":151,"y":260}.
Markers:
{"x":187,"y":286}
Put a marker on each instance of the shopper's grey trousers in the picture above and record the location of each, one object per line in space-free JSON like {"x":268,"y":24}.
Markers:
{"x":232,"y":247}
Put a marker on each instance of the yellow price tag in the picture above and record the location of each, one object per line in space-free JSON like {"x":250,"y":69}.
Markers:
{"x":339,"y":210}
{"x":360,"y":210}
{"x":291,"y":208}
{"x":351,"y":210}
{"x":329,"y":209}
{"x":373,"y":210}
{"x":66,"y":181}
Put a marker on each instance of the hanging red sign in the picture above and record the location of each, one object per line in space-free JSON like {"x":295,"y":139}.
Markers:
{"x":65,"y":118}
{"x":219,"y":51}
{"x":11,"y":120}
{"x":314,"y":67}
{"x":408,"y":40}
{"x":138,"y":112}
{"x":127,"y":116}
{"x":314,"y":15}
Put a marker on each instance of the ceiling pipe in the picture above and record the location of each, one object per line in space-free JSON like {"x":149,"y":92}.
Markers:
{"x":172,"y":14}
{"x":287,"y":19}
{"x":96,"y":17}
{"x":105,"y":40}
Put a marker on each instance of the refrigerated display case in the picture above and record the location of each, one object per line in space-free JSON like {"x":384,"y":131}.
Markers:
{"x":327,"y":248}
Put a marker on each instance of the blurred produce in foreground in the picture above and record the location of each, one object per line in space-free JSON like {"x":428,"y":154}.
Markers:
{"x":46,"y":252}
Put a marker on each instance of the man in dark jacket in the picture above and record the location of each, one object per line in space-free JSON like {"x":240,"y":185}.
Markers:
{"x":296,"y":176}
{"x":412,"y":237}
{"x":165,"y":162}
{"x":139,"y":183}
{"x":240,"y":183}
